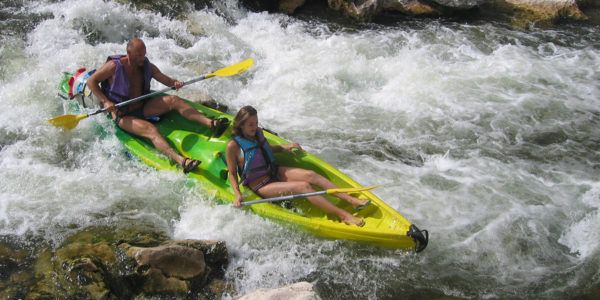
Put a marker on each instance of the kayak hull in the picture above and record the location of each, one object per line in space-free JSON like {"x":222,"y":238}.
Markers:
{"x":384,"y":226}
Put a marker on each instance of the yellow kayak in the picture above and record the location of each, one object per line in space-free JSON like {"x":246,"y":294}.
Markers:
{"x":384,"y":226}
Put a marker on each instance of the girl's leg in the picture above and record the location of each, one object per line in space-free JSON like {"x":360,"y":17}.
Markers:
{"x":275,"y":189}
{"x":298,"y":174}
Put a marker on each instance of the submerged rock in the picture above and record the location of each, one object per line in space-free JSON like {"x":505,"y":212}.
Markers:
{"x":15,"y":271}
{"x":289,"y":6}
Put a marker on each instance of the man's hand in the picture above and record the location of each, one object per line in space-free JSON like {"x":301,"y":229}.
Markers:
{"x":112,"y":109}
{"x":177,"y":84}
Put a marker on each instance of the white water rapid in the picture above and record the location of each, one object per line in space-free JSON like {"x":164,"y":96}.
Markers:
{"x":486,"y":136}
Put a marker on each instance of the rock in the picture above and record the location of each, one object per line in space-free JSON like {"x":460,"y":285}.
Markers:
{"x":364,"y":10}
{"x":547,"y":137}
{"x":46,"y":284}
{"x":521,"y":13}
{"x":123,"y":263}
{"x":172,"y":8}
{"x":75,"y":251}
{"x":540,"y":12}
{"x":460,"y":4}
{"x":296,"y":291}
{"x":289,"y":6}
{"x":219,"y":287}
{"x":260,"y":5}
{"x":215,"y":252}
{"x":172,"y":260}
{"x":410,"y":7}
{"x":157,"y":283}
{"x":15,"y":271}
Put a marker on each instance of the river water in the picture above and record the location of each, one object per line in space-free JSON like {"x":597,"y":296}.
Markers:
{"x":489,"y":137}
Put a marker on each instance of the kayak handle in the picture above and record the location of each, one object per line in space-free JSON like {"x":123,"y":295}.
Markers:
{"x":420,"y":237}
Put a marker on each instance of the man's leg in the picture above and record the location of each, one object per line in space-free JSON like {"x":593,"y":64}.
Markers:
{"x":163,"y":104}
{"x":147,"y":130}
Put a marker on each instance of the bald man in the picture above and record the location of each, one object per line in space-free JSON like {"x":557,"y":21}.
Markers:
{"x":125,"y":77}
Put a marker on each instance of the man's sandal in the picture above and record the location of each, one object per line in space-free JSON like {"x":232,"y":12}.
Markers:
{"x":189,"y":164}
{"x":218,"y":126}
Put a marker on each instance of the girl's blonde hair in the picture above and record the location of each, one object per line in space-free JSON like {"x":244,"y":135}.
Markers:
{"x":241,"y":117}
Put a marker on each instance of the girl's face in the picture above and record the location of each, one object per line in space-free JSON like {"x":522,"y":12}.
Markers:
{"x":250,"y":126}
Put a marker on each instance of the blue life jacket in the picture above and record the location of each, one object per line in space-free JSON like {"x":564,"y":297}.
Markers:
{"x":118,"y":91}
{"x":249,"y":148}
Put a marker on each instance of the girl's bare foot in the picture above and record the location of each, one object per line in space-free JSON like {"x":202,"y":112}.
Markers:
{"x":354,"y":221}
{"x":359,"y":205}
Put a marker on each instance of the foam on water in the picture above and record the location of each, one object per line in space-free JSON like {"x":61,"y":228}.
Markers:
{"x":587,"y":227}
{"x":486,"y":136}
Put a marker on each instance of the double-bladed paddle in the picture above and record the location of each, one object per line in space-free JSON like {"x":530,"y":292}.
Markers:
{"x":328,"y":191}
{"x":71,"y":121}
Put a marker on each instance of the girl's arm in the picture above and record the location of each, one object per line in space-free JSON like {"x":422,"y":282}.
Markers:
{"x":231,"y":156}
{"x":286,"y":147}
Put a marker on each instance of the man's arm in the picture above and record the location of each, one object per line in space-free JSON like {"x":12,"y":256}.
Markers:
{"x":101,"y":74}
{"x":164,"y":79}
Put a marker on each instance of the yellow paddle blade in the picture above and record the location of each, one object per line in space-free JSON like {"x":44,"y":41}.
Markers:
{"x":351,"y":190}
{"x":233,"y":69}
{"x":67,"y":121}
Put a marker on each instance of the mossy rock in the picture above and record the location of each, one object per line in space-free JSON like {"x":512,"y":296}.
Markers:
{"x":15,"y":268}
{"x":94,"y":264}
{"x":90,"y":264}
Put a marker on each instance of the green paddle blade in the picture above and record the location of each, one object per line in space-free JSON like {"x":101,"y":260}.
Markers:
{"x":67,"y":122}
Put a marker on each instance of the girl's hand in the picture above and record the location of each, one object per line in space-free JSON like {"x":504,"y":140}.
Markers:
{"x":291,"y":147}
{"x":237,"y":202}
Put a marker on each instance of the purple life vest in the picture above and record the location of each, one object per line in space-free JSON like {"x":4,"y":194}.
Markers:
{"x":118,"y":91}
{"x":258,"y":158}
{"x":258,"y":168}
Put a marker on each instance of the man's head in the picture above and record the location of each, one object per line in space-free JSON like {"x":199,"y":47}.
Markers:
{"x":136,"y":52}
